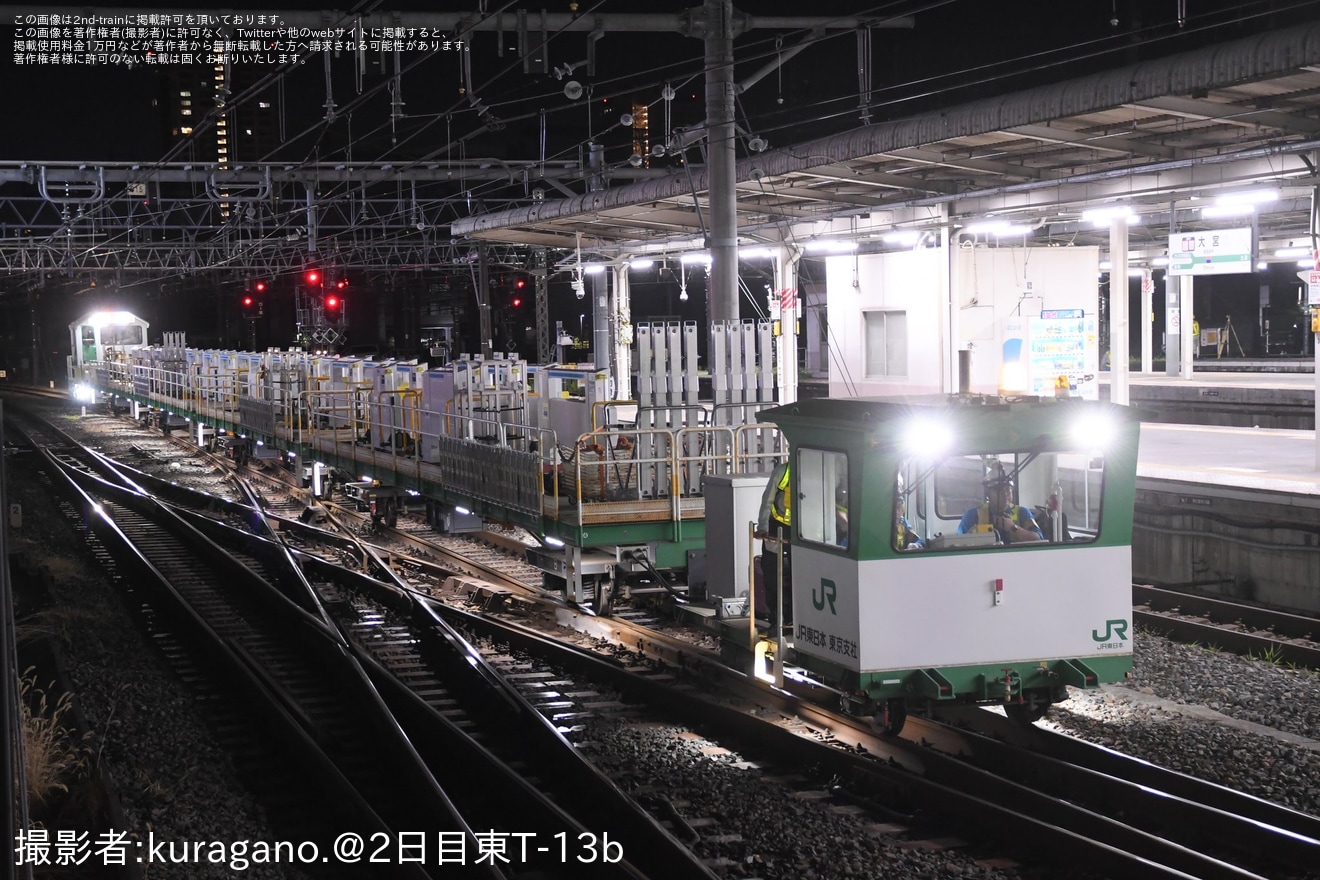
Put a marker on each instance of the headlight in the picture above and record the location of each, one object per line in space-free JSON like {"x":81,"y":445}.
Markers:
{"x":926,"y":438}
{"x":1093,"y":431}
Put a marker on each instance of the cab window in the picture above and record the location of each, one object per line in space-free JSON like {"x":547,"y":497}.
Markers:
{"x":820,"y":510}
{"x":1058,"y":493}
{"x":122,"y":334}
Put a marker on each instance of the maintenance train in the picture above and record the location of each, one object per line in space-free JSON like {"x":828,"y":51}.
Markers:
{"x":897,"y":605}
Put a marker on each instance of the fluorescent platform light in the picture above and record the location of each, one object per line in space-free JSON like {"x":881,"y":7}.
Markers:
{"x":1236,"y":210}
{"x":1102,"y":216}
{"x":1250,"y":197}
{"x":831,"y":247}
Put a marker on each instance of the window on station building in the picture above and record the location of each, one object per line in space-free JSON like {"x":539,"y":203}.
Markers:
{"x":820,"y":508}
{"x":886,"y":343}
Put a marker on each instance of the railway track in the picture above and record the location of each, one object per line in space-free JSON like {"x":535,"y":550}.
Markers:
{"x":414,"y":658}
{"x":292,"y":672}
{"x":1243,"y":629}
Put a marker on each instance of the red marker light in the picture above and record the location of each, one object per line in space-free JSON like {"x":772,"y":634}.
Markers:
{"x":332,"y":302}
{"x":313,"y":277}
{"x":247,"y":300}
{"x":517,"y":302}
{"x":520,"y":284}
{"x":261,"y":287}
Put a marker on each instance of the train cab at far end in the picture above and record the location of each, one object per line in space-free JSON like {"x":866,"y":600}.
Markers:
{"x":960,"y":549}
{"x":101,"y":340}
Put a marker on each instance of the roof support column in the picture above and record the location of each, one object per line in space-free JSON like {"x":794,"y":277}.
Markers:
{"x":598,"y":284}
{"x":541,"y":280}
{"x":787,"y":293}
{"x":950,"y":341}
{"x":1118,"y":310}
{"x":1147,"y":321}
{"x":483,"y":303}
{"x":722,"y":292}
{"x":1314,"y":306}
{"x":1173,"y":327}
{"x":1188,"y":341}
{"x":621,"y":321}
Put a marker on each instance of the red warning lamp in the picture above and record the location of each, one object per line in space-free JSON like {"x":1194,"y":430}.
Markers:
{"x":332,"y":302}
{"x":313,"y":277}
{"x":341,"y":284}
{"x":247,"y":301}
{"x":520,"y":284}
{"x":260,"y":286}
{"x":517,"y":301}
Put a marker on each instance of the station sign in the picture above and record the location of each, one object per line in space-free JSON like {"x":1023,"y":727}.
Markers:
{"x":1211,"y":252}
{"x":1311,"y":278}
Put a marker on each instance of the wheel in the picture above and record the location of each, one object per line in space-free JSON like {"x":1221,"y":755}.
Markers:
{"x":1026,"y":714}
{"x":890,"y":718}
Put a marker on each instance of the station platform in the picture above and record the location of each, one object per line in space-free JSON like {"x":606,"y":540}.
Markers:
{"x":1229,"y":511}
{"x":1259,"y":459}
{"x":1227,"y":399}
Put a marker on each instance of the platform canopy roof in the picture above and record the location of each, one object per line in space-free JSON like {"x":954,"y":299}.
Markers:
{"x":1167,"y":138}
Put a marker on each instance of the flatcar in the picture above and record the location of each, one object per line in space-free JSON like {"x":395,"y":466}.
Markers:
{"x":909,"y":592}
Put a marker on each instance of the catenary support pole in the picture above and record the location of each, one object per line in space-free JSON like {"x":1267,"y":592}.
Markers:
{"x":722,"y":293}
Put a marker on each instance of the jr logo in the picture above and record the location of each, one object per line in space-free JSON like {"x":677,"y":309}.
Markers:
{"x":1112,"y":628}
{"x":827,"y":593}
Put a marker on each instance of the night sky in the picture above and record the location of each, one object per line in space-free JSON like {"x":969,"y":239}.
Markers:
{"x":958,"y":51}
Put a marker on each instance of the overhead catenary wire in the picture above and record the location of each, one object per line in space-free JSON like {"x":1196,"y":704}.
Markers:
{"x":1206,"y":23}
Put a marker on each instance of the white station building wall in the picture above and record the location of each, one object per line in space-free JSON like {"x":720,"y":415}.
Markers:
{"x":875,"y":294}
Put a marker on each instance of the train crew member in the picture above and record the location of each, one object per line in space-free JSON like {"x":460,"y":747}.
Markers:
{"x":773,"y":528}
{"x":905,"y":536}
{"x":1013,"y":523}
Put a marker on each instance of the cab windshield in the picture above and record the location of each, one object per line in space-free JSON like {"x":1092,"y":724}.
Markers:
{"x":998,"y":499}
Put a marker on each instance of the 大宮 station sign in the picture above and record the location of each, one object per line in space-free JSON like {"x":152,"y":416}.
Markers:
{"x":1212,"y":252}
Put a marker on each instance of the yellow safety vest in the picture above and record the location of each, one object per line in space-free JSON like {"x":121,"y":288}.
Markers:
{"x":782,"y":509}
{"x":984,"y":523}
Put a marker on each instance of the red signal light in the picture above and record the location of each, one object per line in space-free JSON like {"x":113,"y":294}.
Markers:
{"x":517,"y":301}
{"x":332,"y":302}
{"x":341,"y":284}
{"x":261,"y":287}
{"x":247,"y":300}
{"x":520,"y":284}
{"x":313,"y":277}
